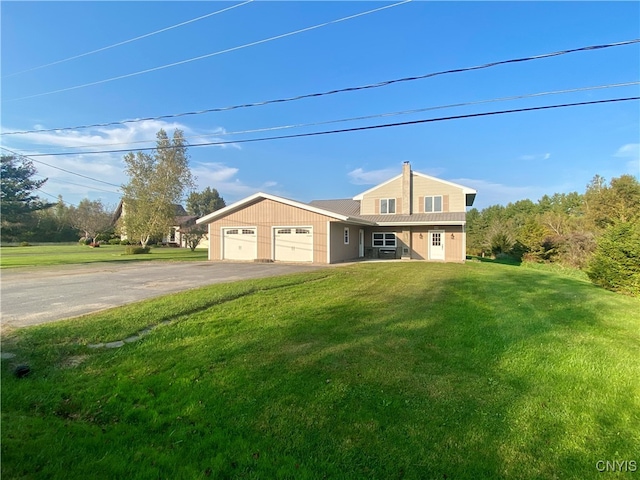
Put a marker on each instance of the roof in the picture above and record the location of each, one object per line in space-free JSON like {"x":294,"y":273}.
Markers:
{"x":438,"y":218}
{"x":346,"y":206}
{"x":293,"y":203}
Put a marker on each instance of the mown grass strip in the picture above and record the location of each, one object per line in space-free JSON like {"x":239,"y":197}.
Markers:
{"x":377,"y":370}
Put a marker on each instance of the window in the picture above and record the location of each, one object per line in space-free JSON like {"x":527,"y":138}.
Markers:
{"x":384,"y":240}
{"x":387,"y":205}
{"x":247,"y":231}
{"x":346,"y":235}
{"x":303,"y":231}
{"x":232,"y":232}
{"x":433,"y":204}
{"x":436,"y":239}
{"x":284,"y":231}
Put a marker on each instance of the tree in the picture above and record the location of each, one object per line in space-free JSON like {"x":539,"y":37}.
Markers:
{"x":90,"y":217}
{"x":17,"y":201}
{"x":615,"y":265}
{"x":205,"y":202}
{"x":157,"y":182}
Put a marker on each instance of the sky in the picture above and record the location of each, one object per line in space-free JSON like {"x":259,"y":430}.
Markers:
{"x":72,"y":64}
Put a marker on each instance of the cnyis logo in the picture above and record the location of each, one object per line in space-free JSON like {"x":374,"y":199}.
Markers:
{"x":616,"y":466}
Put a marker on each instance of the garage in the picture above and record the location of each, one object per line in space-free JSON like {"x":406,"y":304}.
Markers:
{"x":293,"y":244}
{"x":239,"y":243}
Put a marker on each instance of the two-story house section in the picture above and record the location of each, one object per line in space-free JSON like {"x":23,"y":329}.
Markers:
{"x":410,"y":216}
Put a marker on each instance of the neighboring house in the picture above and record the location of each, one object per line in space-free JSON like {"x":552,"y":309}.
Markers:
{"x":181,"y":222}
{"x":411,"y":216}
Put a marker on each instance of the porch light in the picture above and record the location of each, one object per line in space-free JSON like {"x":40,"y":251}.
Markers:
{"x":453,"y":236}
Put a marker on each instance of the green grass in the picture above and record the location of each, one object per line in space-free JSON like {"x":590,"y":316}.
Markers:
{"x":382,"y":370}
{"x":59,"y":254}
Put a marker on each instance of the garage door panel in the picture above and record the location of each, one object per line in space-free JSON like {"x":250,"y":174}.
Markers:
{"x":239,"y":244}
{"x":293,"y":244}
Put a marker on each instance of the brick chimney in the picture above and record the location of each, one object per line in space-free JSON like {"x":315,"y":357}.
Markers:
{"x":406,"y":189}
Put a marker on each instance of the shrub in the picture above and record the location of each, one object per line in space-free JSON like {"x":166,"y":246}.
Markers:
{"x":615,"y":264}
{"x":136,"y":250}
{"x":114,"y":241}
{"x":25,"y":244}
{"x":124,"y":241}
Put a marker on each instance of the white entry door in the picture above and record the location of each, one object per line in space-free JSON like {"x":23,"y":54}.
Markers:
{"x":436,"y":245}
{"x":293,"y":244}
{"x":239,"y":244}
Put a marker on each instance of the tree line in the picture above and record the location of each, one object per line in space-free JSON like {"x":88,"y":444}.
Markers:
{"x":597,"y":231}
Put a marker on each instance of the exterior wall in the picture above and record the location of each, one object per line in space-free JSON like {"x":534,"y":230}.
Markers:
{"x":453,"y":247}
{"x":339,"y":251}
{"x":370,"y":203}
{"x":425,"y":187}
{"x":453,"y":198}
{"x":266,"y":214}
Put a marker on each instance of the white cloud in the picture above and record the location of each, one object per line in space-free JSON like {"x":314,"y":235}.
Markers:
{"x":221,"y":177}
{"x":373,"y":177}
{"x":537,"y":156}
{"x":630,"y":152}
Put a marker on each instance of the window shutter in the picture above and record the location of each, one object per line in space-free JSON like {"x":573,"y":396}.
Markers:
{"x":399,"y":205}
{"x":420,"y":204}
{"x":445,"y":203}
{"x":377,"y":206}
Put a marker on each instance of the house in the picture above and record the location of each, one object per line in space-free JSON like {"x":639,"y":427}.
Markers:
{"x":181,"y":222}
{"x":410,"y":216}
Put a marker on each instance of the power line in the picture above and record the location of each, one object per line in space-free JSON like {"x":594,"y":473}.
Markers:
{"x":59,"y":180}
{"x":332,"y":92}
{"x":378,"y":115}
{"x":53,"y":196}
{"x":128,"y":41}
{"x":220,"y":52}
{"x":58,"y":168}
{"x":354,"y":129}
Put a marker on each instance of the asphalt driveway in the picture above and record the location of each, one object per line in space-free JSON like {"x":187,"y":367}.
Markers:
{"x":31,"y":296}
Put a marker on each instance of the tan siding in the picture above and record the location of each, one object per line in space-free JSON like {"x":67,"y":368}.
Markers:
{"x":445,"y":203}
{"x":425,"y":187}
{"x":452,"y":247}
{"x":339,"y":251}
{"x":420,"y":204}
{"x":399,"y":206}
{"x":390,"y":190}
{"x":266,"y":214}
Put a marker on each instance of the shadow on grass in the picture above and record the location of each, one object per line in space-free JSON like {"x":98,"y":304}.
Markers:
{"x":501,"y":259}
{"x":454,"y":377}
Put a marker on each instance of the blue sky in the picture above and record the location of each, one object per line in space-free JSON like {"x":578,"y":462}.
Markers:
{"x":505,"y":157}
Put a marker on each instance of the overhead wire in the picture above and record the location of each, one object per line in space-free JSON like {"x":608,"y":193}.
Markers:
{"x":378,"y":115}
{"x":140,"y":37}
{"x":330,"y":92}
{"x":29,"y":157}
{"x":354,"y":129}
{"x":59,"y":180}
{"x":208,"y":55}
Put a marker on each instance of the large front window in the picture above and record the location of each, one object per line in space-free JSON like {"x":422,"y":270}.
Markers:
{"x":433,"y":204}
{"x":384,"y":239}
{"x":387,"y":205}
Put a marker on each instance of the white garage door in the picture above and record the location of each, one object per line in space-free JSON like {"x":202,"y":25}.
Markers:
{"x":239,"y":244}
{"x":293,"y":244}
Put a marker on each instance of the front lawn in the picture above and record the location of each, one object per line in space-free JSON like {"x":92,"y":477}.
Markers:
{"x":64,"y":254}
{"x":380,"y":370}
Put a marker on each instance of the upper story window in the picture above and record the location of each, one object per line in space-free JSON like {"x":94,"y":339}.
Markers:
{"x":433,"y":204}
{"x":387,"y":205}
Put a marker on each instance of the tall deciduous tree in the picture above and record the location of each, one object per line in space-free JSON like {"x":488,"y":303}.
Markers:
{"x":205,"y":202}
{"x":90,"y":217}
{"x":17,"y":199}
{"x":157,"y":182}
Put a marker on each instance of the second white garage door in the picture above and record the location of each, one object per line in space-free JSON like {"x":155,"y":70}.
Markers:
{"x":239,"y":244}
{"x":293,"y":244}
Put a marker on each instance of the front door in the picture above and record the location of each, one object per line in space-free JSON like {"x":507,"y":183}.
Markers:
{"x":361,"y":243}
{"x":436,"y":245}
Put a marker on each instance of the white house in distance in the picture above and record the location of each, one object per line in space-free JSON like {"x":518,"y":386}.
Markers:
{"x":410,"y":216}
